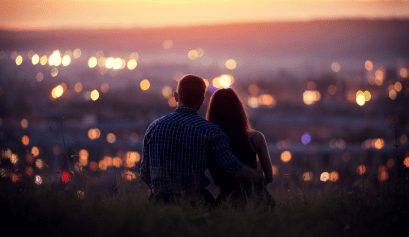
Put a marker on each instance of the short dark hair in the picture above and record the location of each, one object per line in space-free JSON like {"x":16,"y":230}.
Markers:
{"x":191,"y":89}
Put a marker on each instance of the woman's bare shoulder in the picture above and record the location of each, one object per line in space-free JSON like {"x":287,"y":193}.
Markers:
{"x":256,"y":136}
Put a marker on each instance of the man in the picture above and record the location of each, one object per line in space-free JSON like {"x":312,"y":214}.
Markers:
{"x":176,"y":148}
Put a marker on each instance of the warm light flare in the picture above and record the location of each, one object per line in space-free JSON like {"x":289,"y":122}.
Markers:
{"x":35,"y":59}
{"x":285,"y":156}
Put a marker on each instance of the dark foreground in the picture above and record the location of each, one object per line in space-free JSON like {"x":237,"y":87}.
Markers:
{"x":54,"y":211}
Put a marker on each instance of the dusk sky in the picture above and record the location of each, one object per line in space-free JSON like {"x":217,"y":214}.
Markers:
{"x":44,"y":14}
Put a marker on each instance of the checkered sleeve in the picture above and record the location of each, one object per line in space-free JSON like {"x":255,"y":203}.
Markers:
{"x":224,"y":156}
{"x":144,"y":170}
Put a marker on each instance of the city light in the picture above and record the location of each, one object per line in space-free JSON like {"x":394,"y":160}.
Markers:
{"x":231,"y":64}
{"x":285,"y":156}
{"x":145,"y":84}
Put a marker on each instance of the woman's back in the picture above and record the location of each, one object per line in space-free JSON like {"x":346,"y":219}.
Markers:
{"x":245,"y":152}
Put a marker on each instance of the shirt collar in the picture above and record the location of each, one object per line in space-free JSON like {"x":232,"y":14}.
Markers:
{"x":185,"y":109}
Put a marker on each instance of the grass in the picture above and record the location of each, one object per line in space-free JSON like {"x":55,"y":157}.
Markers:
{"x":57,"y":211}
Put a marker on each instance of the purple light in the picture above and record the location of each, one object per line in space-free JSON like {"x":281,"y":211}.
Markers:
{"x":306,"y":138}
{"x":213,"y":89}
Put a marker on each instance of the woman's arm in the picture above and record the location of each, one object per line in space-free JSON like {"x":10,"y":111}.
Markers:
{"x":261,"y":148}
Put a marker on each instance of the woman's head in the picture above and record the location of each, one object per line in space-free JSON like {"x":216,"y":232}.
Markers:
{"x":226,"y":110}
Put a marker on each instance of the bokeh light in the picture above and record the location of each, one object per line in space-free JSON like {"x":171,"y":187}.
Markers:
{"x":117,"y":63}
{"x":145,"y":84}
{"x":94,"y":95}
{"x":382,"y":173}
{"x":231,"y":64}
{"x":93,"y":166}
{"x":35,"y":59}
{"x":310,"y":97}
{"x":78,"y":87}
{"x":83,"y":157}
{"x":66,"y":60}
{"x":29,"y":171}
{"x":14,"y":158}
{"x":43,"y":60}
{"x":367,"y":95}
{"x":379,"y":77}
{"x":128,"y":175}
{"x":65,"y":177}
{"x":379,"y":143}
{"x":397,"y":86}
{"x":77,"y":53}
{"x":392,"y":94}
{"x":192,"y":54}
{"x":368,"y":65}
{"x":54,"y":72}
{"x":306,"y":138}
{"x":39,"y":77}
{"x":19,"y":60}
{"x":117,"y":162}
{"x":324,"y":176}
{"x":253,"y":102}
{"x":111,"y":138}
{"x":200,"y":52}
{"x":133,"y":137}
{"x":225,"y":81}
{"x":131,"y":158}
{"x":172,"y":102}
{"x":35,"y":151}
{"x":404,"y":72}
{"x":134,"y":55}
{"x":57,"y":91}
{"x":104,"y":87}
{"x":102,"y":165}
{"x":335,"y":67}
{"x":390,"y":163}
{"x":360,"y":100}
{"x":25,"y":140}
{"x":29,"y":158}
{"x":332,"y":89}
{"x":38,"y":180}
{"x":167,"y":92}
{"x":132,"y":64}
{"x":334,"y":176}
{"x":108,"y":161}
{"x":285,"y":156}
{"x":361,"y":169}
{"x":109,"y":63}
{"x":24,"y":123}
{"x":253,"y":89}
{"x":39,"y":163}
{"x":92,"y":62}
{"x":307,"y":176}
{"x":267,"y":100}
{"x":167,"y":44}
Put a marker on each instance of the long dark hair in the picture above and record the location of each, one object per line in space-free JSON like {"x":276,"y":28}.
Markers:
{"x":227,"y":111}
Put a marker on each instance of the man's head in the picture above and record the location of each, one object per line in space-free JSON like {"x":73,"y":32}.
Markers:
{"x":190,"y":91}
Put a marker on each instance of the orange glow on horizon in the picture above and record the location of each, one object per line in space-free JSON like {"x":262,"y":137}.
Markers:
{"x":38,"y":14}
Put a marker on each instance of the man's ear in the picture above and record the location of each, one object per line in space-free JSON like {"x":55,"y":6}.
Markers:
{"x":176,"y":95}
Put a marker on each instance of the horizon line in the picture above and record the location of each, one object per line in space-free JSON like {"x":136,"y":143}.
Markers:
{"x":194,"y":25}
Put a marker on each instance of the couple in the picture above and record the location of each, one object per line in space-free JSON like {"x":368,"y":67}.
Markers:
{"x":179,"y":147}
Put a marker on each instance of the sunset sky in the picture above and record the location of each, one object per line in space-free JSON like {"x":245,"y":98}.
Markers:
{"x":38,"y":14}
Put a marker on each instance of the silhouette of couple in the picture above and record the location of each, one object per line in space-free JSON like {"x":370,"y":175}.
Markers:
{"x":179,"y":147}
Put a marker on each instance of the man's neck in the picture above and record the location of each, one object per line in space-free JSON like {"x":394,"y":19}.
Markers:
{"x":196,"y":108}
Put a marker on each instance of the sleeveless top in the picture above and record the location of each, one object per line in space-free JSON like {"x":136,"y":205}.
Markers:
{"x":227,"y":184}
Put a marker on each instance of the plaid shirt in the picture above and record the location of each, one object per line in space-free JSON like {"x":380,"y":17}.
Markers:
{"x":176,"y":148}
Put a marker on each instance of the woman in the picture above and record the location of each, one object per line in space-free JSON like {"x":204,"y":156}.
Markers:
{"x":226,"y":110}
